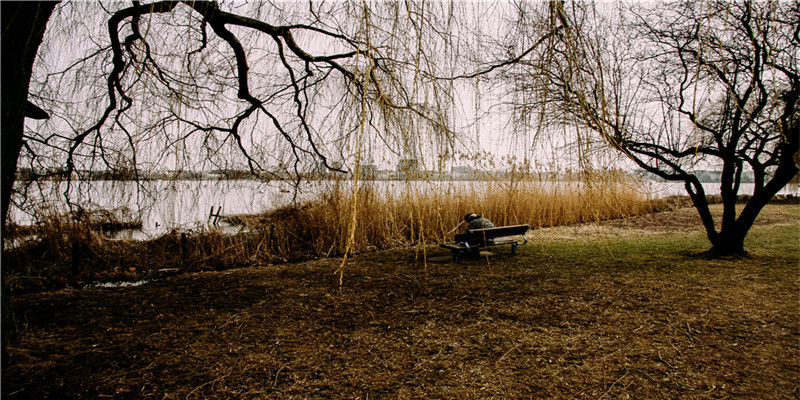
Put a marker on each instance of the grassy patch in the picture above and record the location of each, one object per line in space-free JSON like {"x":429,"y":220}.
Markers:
{"x":783,"y":240}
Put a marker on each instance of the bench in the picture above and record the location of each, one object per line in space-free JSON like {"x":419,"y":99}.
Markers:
{"x":473,"y":240}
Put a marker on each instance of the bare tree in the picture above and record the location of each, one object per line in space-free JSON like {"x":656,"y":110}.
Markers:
{"x":678,"y":86}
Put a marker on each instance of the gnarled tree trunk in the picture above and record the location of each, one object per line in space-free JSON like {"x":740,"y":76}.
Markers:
{"x":24,"y":24}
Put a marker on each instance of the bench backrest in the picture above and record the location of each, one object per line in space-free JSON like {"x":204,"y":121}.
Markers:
{"x":476,"y":236}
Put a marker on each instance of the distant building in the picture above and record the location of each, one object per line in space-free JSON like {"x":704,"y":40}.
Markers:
{"x":463,"y":170}
{"x":408,"y":166}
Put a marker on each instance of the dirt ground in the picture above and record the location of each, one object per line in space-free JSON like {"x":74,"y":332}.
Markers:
{"x":538,"y":324}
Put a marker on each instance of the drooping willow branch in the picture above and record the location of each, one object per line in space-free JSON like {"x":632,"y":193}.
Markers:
{"x":126,"y":59}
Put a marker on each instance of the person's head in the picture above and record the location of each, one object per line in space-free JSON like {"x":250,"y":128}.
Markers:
{"x":470,"y":217}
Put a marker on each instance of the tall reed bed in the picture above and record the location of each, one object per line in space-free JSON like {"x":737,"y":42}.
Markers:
{"x":387,"y":215}
{"x":408,"y":213}
{"x":433,"y":212}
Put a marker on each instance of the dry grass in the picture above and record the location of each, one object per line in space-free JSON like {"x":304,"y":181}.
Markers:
{"x":609,"y":314}
{"x":432,"y":212}
{"x":69,"y":252}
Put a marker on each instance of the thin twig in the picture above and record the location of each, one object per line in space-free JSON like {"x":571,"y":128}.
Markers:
{"x":612,"y":385}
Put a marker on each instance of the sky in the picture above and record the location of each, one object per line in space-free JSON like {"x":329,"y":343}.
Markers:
{"x":444,"y":39}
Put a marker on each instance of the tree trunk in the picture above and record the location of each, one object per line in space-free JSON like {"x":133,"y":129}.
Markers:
{"x":24,"y":24}
{"x":730,"y":239}
{"x":729,"y":242}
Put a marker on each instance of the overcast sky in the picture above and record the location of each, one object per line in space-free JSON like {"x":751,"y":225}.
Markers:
{"x":481,"y":122}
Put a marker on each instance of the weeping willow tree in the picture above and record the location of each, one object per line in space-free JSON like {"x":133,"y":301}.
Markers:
{"x":273,"y":88}
{"x":268,"y":87}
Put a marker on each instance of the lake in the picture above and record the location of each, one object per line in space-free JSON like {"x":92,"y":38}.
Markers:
{"x":185,"y":205}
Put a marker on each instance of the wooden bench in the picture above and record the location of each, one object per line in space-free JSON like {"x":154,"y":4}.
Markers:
{"x":472,"y":241}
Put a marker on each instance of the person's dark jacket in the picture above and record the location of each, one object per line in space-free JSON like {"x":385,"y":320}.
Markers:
{"x":479,"y":223}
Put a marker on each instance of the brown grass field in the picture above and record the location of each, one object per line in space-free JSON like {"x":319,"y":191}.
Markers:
{"x":627,"y":308}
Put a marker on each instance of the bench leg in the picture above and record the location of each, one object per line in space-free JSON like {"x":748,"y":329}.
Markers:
{"x":457,"y":254}
{"x":514,"y":248}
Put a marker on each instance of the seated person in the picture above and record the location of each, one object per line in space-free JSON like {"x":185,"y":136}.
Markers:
{"x":475,"y":221}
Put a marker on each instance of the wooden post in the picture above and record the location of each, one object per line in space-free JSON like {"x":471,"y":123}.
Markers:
{"x":213,"y":218}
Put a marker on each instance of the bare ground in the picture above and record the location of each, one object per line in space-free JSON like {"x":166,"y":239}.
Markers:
{"x":540,"y":324}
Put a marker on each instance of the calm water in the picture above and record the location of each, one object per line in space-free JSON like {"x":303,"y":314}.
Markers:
{"x":185,"y":205}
